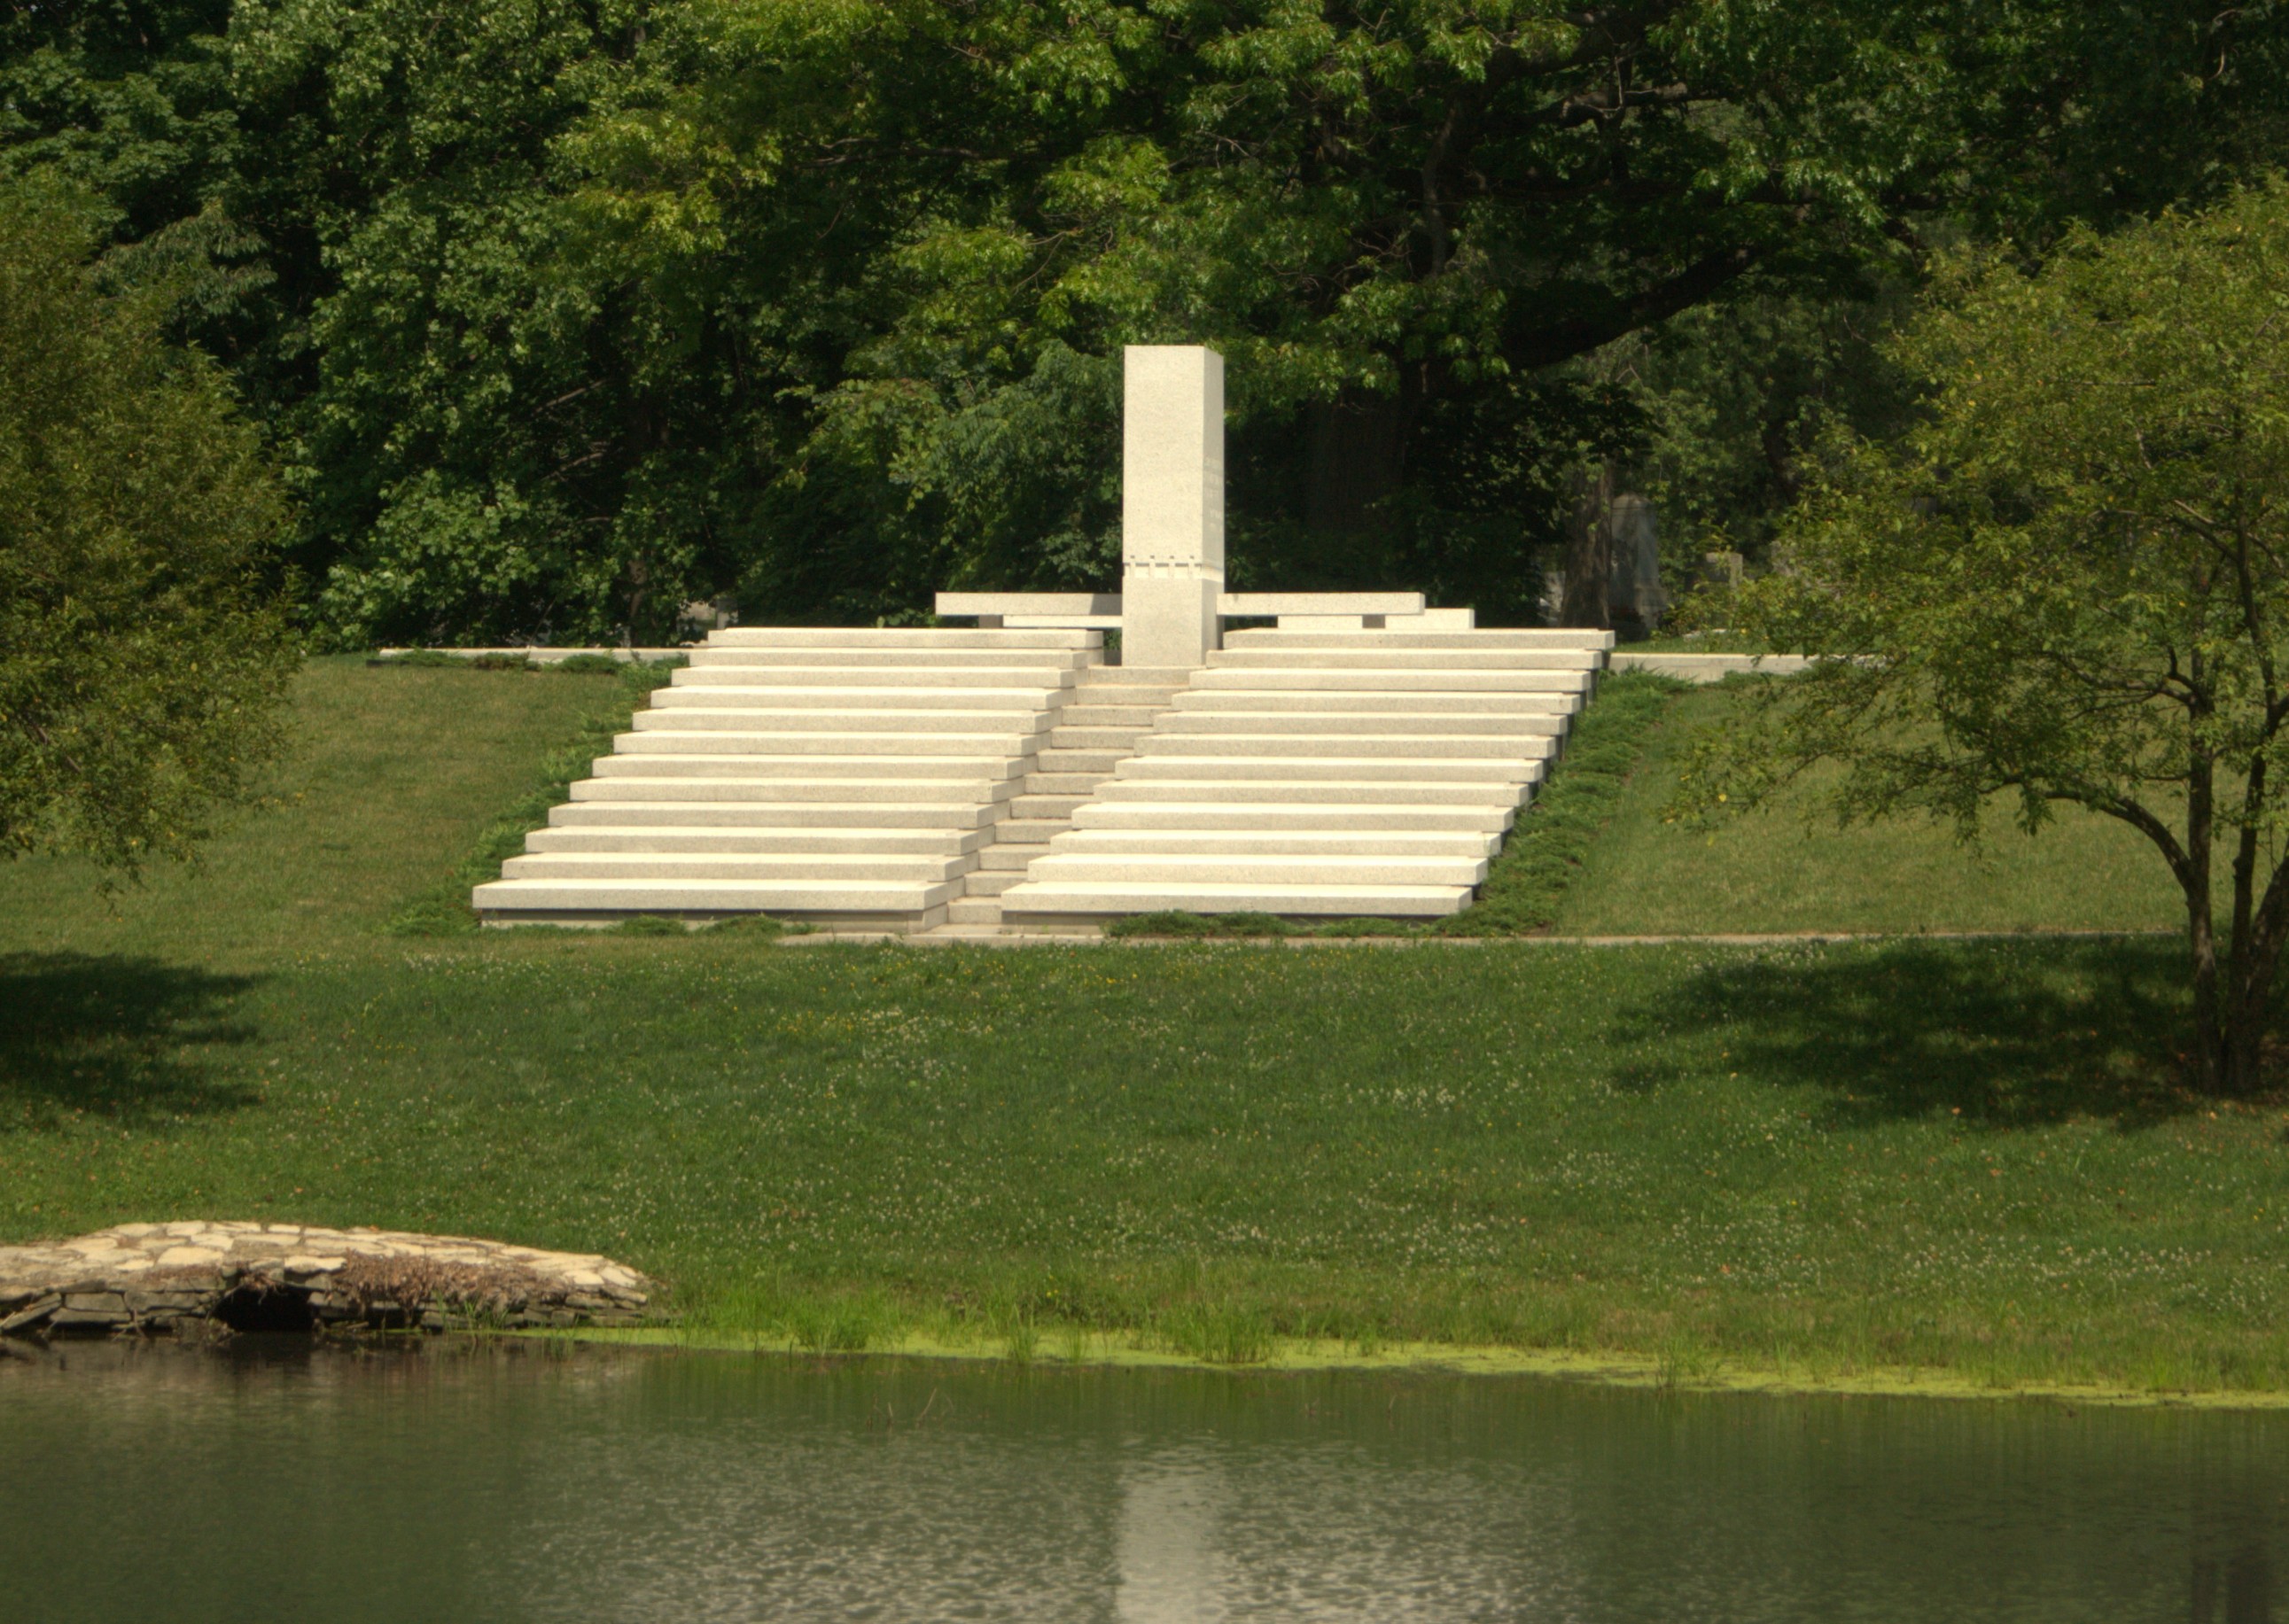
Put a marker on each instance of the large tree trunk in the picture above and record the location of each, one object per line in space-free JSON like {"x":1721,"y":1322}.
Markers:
{"x":1583,"y":596}
{"x":2259,"y":933}
{"x":2201,"y":928}
{"x":1358,"y":457}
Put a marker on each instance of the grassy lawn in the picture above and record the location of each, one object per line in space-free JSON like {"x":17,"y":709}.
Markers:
{"x":1788,"y":869}
{"x":1966,"y":1156}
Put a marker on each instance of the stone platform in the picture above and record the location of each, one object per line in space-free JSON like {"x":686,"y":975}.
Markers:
{"x":150,"y":1277}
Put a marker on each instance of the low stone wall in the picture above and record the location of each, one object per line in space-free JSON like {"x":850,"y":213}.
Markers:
{"x":546,"y":654}
{"x":153,"y":1278}
{"x":1707,"y":667}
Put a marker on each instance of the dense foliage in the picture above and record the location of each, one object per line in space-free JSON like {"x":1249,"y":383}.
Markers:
{"x":141,"y":662}
{"x":2069,"y":582}
{"x":562,"y":311}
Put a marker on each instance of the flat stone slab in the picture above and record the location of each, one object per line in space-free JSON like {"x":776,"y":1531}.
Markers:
{"x":147,"y":1277}
{"x":1709,"y":667}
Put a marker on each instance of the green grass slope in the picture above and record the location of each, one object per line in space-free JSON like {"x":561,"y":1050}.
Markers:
{"x":393,"y":775}
{"x":1969,"y":1156}
{"x":1789,"y":868}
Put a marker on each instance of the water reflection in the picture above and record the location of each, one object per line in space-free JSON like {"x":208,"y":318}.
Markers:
{"x":2234,"y":1590}
{"x":1166,"y":1554}
{"x":522,"y":1486}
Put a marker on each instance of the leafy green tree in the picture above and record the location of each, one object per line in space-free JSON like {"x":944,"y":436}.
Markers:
{"x":1397,"y":220}
{"x":142,"y":659}
{"x":558,"y":312}
{"x":128,"y":100}
{"x":1736,"y":398}
{"x":479,"y":451}
{"x":2070,"y":583}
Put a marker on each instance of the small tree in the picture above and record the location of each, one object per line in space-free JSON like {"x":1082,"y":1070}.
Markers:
{"x":141,"y":658}
{"x":2070,"y":583}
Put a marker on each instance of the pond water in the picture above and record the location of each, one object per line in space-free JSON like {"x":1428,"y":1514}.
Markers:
{"x":532,"y":1483}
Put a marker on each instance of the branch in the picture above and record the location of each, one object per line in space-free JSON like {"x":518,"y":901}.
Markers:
{"x":1598,"y":34}
{"x":48,"y":740}
{"x":2155,"y":830}
{"x":1609,"y":102}
{"x":1564,"y":340}
{"x":861,"y":155}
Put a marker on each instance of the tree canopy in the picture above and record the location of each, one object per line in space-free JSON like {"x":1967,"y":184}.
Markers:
{"x":2069,"y":583}
{"x":141,"y":656}
{"x":558,"y":314}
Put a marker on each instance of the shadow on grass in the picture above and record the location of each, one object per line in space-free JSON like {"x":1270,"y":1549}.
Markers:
{"x":2006,"y":1034}
{"x":129,"y":1039}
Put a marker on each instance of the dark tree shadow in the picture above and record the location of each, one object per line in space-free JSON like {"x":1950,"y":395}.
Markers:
{"x":2006,"y":1033}
{"x":127,"y":1039}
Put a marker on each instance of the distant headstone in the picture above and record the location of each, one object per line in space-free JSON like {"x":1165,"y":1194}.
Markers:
{"x":1721,"y":570}
{"x":1635,"y":592}
{"x":702,"y":616}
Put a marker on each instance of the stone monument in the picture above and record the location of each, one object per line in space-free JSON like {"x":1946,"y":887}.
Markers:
{"x":1171,"y":504}
{"x":1635,"y":595}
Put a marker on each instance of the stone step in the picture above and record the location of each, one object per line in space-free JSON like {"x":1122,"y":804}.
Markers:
{"x":1004,"y":853}
{"x":1050,"y":903}
{"x":1051,"y":758}
{"x":1336,"y":680}
{"x":900,"y":679}
{"x":964,"y":818}
{"x":1063,"y":784}
{"x":1574,"y":639}
{"x":803,"y":746}
{"x":1316,"y":792}
{"x":873,"y":664}
{"x":1201,"y":768}
{"x":869,"y":723}
{"x":1361,"y":702}
{"x":1332,"y":727}
{"x":1088,"y":691}
{"x":1047,"y":806}
{"x":822,"y":769}
{"x":928,"y":638}
{"x":908,"y":901}
{"x":842,"y":792}
{"x":983,"y":882}
{"x":814,"y":867}
{"x":1150,"y":676}
{"x":1381,"y":869}
{"x":974,"y":911}
{"x":1127,"y":718}
{"x":832,"y":839}
{"x":1294,"y":657}
{"x":1068,"y":736}
{"x":1488,"y":818}
{"x":1029,"y":831}
{"x":858,"y":699}
{"x":1303,"y":843}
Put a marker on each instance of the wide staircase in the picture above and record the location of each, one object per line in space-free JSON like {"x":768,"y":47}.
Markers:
{"x":1368,"y":773}
{"x":844,"y":776}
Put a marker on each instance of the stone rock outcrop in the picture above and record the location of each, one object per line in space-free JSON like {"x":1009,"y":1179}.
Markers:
{"x":148,"y":1277}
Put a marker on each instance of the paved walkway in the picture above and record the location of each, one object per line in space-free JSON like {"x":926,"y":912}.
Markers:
{"x":1005,"y":935}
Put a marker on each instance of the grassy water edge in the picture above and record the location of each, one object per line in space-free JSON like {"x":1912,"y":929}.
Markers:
{"x":1953,"y":1166}
{"x":1672,"y":1369}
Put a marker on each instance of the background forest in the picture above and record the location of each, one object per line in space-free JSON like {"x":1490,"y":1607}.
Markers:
{"x":557,"y":313}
